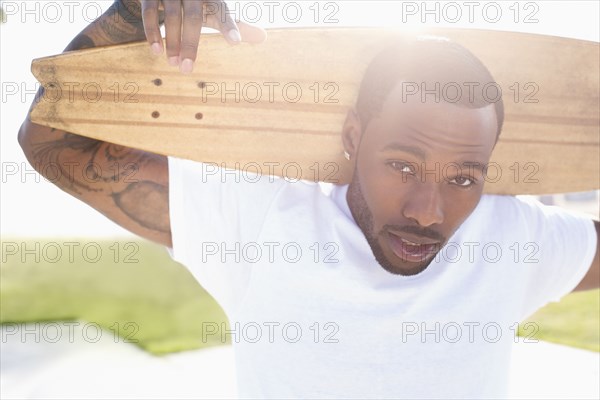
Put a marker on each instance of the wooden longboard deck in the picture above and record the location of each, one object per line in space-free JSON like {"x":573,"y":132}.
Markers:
{"x":293,"y":93}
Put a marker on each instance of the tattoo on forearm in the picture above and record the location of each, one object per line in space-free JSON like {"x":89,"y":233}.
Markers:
{"x":48,"y":154}
{"x":80,"y":42}
{"x":116,"y":33}
{"x":143,"y":202}
{"x":129,"y":10}
{"x":119,"y":26}
{"x":118,"y":162}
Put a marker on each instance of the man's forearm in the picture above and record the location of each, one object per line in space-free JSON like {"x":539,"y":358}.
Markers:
{"x":140,"y":204}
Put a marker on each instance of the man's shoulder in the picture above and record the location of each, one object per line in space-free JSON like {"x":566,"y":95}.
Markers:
{"x":501,"y":213}
{"x":523,"y":212}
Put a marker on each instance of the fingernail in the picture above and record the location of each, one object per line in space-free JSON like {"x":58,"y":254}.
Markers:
{"x":187,"y":66}
{"x":234,"y":35}
{"x":174,"y":61}
{"x":156,"y":48}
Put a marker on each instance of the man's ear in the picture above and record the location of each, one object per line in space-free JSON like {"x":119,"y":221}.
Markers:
{"x":351,"y":133}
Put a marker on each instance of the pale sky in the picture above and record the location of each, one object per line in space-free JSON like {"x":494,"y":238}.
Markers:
{"x":30,"y":206}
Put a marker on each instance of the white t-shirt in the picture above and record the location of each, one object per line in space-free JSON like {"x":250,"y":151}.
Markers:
{"x":313,"y":315}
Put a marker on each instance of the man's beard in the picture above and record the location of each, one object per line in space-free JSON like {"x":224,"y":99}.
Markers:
{"x":364,"y":218}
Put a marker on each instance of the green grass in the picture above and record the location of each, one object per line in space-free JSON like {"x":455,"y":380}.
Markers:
{"x":574,"y":321}
{"x":167,"y":305}
{"x":144,"y":287}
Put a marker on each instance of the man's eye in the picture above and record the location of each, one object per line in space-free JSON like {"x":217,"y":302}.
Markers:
{"x":402,"y":167}
{"x":462,"y":181}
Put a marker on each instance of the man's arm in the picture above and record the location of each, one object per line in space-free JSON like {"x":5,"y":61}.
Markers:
{"x":133,"y":187}
{"x":592,"y":279}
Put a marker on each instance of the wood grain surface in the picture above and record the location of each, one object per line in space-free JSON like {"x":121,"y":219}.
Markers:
{"x":278,"y":107}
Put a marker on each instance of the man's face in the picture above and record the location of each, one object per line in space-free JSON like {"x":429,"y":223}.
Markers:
{"x":418,"y":176}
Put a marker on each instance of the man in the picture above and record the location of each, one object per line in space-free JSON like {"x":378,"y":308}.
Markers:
{"x":384,"y":288}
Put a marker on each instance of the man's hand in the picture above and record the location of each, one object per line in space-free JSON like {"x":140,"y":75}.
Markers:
{"x":184,"y":20}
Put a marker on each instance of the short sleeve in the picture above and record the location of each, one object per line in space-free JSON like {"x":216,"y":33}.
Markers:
{"x":214,"y":213}
{"x":562,"y":245}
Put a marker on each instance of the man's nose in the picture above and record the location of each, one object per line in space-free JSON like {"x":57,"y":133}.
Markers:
{"x":424,"y":204}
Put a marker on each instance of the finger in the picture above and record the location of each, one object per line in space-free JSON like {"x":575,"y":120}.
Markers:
{"x":251,"y":33}
{"x":218,"y":17}
{"x":192,"y":25}
{"x":173,"y":29}
{"x":151,"y":25}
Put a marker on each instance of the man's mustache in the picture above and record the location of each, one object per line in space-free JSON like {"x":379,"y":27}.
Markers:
{"x":415,"y":230}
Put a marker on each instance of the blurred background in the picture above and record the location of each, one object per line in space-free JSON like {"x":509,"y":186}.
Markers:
{"x":90,"y":311}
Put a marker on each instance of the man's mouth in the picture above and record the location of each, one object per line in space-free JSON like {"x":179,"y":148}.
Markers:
{"x":411,"y":248}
